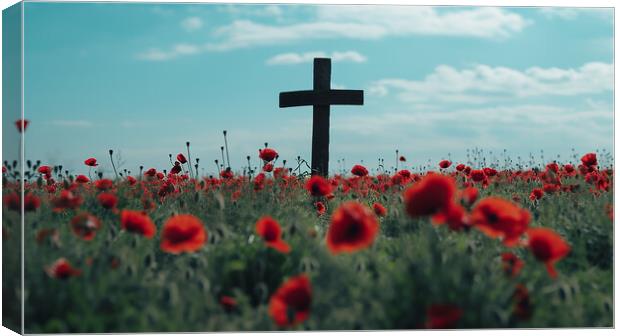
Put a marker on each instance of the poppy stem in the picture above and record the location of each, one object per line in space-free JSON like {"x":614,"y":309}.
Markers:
{"x":397,"y":160}
{"x":217,"y":168}
{"x":112,"y":160}
{"x":226,"y":146}
{"x":189,"y":158}
{"x":223,"y":160}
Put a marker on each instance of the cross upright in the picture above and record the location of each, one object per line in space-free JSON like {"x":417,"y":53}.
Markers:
{"x":321,"y":97}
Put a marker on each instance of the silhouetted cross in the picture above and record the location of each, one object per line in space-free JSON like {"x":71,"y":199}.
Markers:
{"x":321,"y":98}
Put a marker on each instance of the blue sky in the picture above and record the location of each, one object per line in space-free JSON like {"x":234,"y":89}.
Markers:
{"x":144,"y":78}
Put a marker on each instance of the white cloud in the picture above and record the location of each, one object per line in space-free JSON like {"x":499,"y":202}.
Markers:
{"x":336,"y":56}
{"x":483,"y":83}
{"x":174,"y":52}
{"x":72,"y":123}
{"x":350,"y":22}
{"x":192,"y":23}
{"x":571,"y":13}
{"x":373,"y":22}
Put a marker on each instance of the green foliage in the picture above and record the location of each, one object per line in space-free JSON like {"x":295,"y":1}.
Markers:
{"x":412,"y":265}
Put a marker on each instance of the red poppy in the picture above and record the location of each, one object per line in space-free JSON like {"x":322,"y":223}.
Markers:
{"x":548,"y":247}
{"x":536,"y":194}
{"x":402,"y":159}
{"x":45,"y":170}
{"x":454,"y":215}
{"x":228,"y":303}
{"x":132,"y":180}
{"x":353,"y":227}
{"x":85,"y":225}
{"x":267,"y":154}
{"x":523,"y":305}
{"x":554,"y":167}
{"x":151,"y":172}
{"x":181,"y":158}
{"x":460,"y":167}
{"x":569,"y":168}
{"x":268,"y":168}
{"x":511,"y":264}
{"x":183,"y":233}
{"x":62,"y":269}
{"x":104,"y":184}
{"x":21,"y":125}
{"x":91,"y":162}
{"x":320,"y":208}
{"x":550,"y":188}
{"x":470,"y":195}
{"x":226,"y":173}
{"x":477,"y":175}
{"x":497,"y":217}
{"x":66,"y":200}
{"x":137,"y":222}
{"x":359,"y":170}
{"x":318,"y":186}
{"x":589,"y":160}
{"x":270,"y":230}
{"x":443,"y":316}
{"x":176,"y":169}
{"x":432,"y":194}
{"x":13,"y":202}
{"x":107,"y":200}
{"x":379,"y":209}
{"x":82,"y":179}
{"x":290,"y":304}
{"x":445,"y":164}
{"x":489,"y":172}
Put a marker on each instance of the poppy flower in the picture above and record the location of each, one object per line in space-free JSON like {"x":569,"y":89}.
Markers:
{"x":379,"y":209}
{"x":432,"y":194}
{"x":320,"y":208}
{"x":91,"y":162}
{"x":470,"y":195}
{"x":550,"y":188}
{"x":228,"y":303}
{"x":454,"y":215}
{"x":523,"y":304}
{"x":353,"y":227}
{"x":66,"y":200}
{"x":176,"y":169}
{"x":270,"y":230}
{"x":402,"y":159}
{"x":104,"y":184}
{"x":290,"y":304}
{"x":442,"y":316}
{"x":318,"y":186}
{"x":499,"y":218}
{"x":554,"y":167}
{"x":359,"y":170}
{"x":445,"y":164}
{"x":569,"y":169}
{"x":132,"y":180}
{"x":460,"y":167}
{"x":181,"y":158}
{"x":477,"y":175}
{"x":511,"y":264}
{"x":137,"y":222}
{"x":183,"y":233}
{"x":82,"y":179}
{"x":536,"y":194}
{"x":404,"y":173}
{"x":548,"y":247}
{"x":268,"y":168}
{"x":45,"y":170}
{"x":589,"y":160}
{"x":85,"y":226}
{"x":62,"y":269}
{"x":21,"y":125}
{"x":13,"y":202}
{"x":107,"y":200}
{"x":226,"y":173}
{"x":489,"y":172}
{"x":267,"y":154}
{"x":151,"y":172}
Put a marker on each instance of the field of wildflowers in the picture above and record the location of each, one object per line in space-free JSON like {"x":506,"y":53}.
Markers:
{"x":460,"y":245}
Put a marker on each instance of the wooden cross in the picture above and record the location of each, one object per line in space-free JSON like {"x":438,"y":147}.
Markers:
{"x":321,"y":97}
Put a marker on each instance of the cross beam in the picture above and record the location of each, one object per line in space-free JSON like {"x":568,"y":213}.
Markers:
{"x":321,"y":98}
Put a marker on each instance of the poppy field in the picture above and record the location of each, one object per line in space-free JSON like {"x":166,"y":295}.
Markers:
{"x":477,"y":244}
